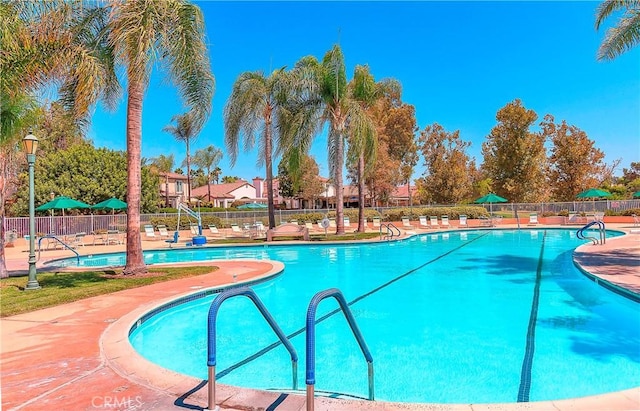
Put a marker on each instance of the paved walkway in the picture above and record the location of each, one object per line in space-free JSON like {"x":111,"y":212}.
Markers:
{"x":77,"y":357}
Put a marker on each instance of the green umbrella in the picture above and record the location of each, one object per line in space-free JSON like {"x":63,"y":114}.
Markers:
{"x":62,"y":203}
{"x":252,"y":206}
{"x":110,"y":204}
{"x":490,"y":198}
{"x":636,"y":194}
{"x":594,"y":193}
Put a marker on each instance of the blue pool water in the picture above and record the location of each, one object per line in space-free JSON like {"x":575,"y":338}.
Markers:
{"x":463,"y":317}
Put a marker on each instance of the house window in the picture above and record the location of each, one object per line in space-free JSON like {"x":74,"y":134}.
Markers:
{"x":179,"y":187}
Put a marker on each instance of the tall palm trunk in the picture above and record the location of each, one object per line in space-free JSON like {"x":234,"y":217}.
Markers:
{"x":338,"y":180}
{"x":268,"y":149}
{"x":166,"y":190}
{"x":361,"y":224}
{"x":188,"y":174}
{"x":135,"y":263}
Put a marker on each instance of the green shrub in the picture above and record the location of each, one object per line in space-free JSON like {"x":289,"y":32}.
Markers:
{"x":472,"y":212}
{"x":172,"y":221}
{"x":351,"y":213}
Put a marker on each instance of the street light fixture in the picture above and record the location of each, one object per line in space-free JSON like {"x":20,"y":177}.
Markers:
{"x":30,"y":143}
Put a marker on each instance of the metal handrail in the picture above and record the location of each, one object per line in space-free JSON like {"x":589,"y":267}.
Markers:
{"x":390,"y":234}
{"x":311,"y":341}
{"x":61,"y":242}
{"x":602,"y":233}
{"x":211,"y":337}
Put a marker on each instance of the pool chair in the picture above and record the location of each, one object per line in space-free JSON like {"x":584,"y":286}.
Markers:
{"x":173,"y":240}
{"x":423,"y":221}
{"x":213,"y":231}
{"x":195,"y":230}
{"x":149,"y":232}
{"x":434,"y":221}
{"x":376,"y":222}
{"x":347,"y":222}
{"x":445,"y":221}
{"x":533,"y":219}
{"x":463,"y":221}
{"x":309,"y":225}
{"x":162,"y":229}
{"x":332,"y":222}
{"x":406,"y":223}
{"x":236,"y":231}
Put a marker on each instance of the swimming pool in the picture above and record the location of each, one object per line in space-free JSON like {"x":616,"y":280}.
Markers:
{"x":460,"y":317}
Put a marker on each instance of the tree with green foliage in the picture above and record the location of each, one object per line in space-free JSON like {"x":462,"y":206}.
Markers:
{"x":230,"y":179}
{"x":85,"y":173}
{"x":286,"y":184}
{"x":326,"y":99}
{"x":185,"y":130}
{"x":623,"y":36}
{"x":514,"y":156}
{"x":145,"y":34}
{"x":575,"y":163}
{"x":256,"y":110}
{"x":59,"y":42}
{"x":208,"y":159}
{"x":446,"y":177}
{"x":163,"y":165}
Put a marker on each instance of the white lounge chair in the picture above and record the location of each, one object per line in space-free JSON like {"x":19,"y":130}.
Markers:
{"x":195,"y":230}
{"x":332,"y":222}
{"x":347,"y":222}
{"x":213,"y":230}
{"x":533,"y":219}
{"x":445,"y":221}
{"x":423,"y":221}
{"x":149,"y":232}
{"x":309,"y":225}
{"x":376,"y":222}
{"x":463,"y":221}
{"x":162,"y":229}
{"x":406,"y":223}
{"x":434,"y":221}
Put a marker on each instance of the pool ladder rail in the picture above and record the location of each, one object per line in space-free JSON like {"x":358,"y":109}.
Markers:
{"x":51,"y":236}
{"x":602,"y":233}
{"x":310,"y":341}
{"x":388,"y":231}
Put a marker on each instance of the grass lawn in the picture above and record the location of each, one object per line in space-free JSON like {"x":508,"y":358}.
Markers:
{"x":65,"y":287}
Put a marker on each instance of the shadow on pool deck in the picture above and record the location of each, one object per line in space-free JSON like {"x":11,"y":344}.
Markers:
{"x":77,"y":356}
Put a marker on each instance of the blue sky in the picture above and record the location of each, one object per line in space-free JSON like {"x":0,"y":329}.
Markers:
{"x":458,"y":63}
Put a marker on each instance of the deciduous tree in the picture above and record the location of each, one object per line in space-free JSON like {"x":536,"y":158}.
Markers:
{"x":446,"y":179}
{"x":514,"y":156}
{"x":575,"y":163}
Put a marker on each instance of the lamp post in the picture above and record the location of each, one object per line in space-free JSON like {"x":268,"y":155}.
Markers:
{"x":30,"y":143}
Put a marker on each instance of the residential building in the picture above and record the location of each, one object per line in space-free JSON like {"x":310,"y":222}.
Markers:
{"x":176,"y":185}
{"x":223,"y":195}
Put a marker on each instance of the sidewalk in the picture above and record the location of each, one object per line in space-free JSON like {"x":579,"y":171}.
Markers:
{"x":77,"y":357}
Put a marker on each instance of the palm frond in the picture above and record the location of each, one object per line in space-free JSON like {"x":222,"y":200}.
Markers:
{"x":621,"y":38}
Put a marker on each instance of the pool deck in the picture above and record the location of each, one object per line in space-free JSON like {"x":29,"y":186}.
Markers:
{"x":77,"y":356}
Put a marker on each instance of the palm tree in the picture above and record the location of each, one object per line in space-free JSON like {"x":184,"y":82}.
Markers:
{"x":327,"y":99}
{"x":164,"y":164}
{"x":144,"y":32}
{"x":215,"y":174}
{"x":208,"y":158}
{"x":57,"y":41}
{"x":186,"y":131}
{"x":257,"y":107}
{"x":626,"y":34}
{"x":362,"y":130}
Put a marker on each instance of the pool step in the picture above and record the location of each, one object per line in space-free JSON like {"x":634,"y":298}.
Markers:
{"x":319,"y":393}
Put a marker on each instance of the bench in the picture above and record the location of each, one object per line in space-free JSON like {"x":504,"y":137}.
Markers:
{"x":288,"y":230}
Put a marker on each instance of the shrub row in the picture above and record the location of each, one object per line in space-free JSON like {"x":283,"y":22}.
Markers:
{"x":172,"y":221}
{"x":472,"y":212}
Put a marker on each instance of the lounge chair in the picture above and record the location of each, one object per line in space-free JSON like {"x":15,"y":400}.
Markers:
{"x":376,"y":222}
{"x":463,"y":221}
{"x":533,"y":219}
{"x":434,"y":221}
{"x":485,"y":221}
{"x":195,"y":229}
{"x":423,"y":221}
{"x":236,"y":231}
{"x":149,"y":232}
{"x":309,"y":225}
{"x":213,"y":230}
{"x":174,"y":240}
{"x":406,"y":223}
{"x":347,"y":222}
{"x":445,"y":221}
{"x":114,"y":237}
{"x":332,"y":222}
{"x":260,"y":231}
{"x":78,"y":240}
{"x":162,"y":229}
